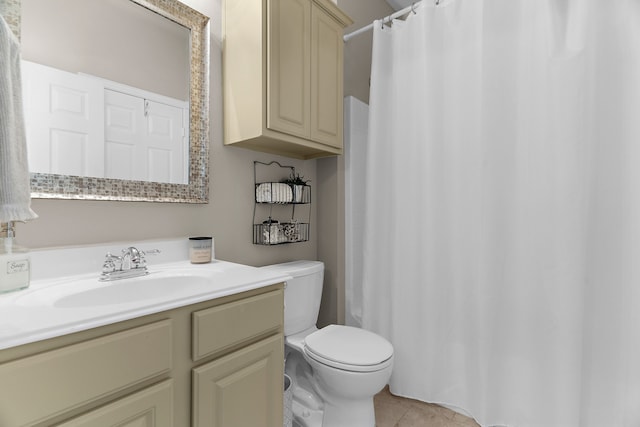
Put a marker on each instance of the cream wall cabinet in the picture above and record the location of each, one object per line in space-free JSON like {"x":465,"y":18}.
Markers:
{"x":139,"y":372}
{"x":283,"y":76}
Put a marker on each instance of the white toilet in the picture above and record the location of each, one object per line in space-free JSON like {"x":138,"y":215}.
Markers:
{"x":336,"y":370}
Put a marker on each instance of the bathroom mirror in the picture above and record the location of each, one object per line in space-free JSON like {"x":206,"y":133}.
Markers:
{"x":183,"y":76}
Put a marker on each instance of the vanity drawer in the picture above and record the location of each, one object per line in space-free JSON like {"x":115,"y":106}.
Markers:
{"x":152,"y":406}
{"x":51,"y":383}
{"x":232,"y":324}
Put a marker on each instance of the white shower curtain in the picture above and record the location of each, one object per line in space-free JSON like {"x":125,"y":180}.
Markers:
{"x":501,"y":241}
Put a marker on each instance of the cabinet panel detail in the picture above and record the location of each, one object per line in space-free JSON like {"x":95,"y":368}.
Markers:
{"x":231,"y":324}
{"x":326,"y":78}
{"x":241,"y":389}
{"x":69,"y":377}
{"x":151,"y":407}
{"x":289,"y":67}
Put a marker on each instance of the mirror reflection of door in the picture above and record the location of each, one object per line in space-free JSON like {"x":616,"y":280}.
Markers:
{"x":81,"y":50}
{"x":144,"y":139}
{"x":63,"y":136}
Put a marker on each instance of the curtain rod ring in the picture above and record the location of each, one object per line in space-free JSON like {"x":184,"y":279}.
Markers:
{"x":413,"y":8}
{"x":386,"y":20}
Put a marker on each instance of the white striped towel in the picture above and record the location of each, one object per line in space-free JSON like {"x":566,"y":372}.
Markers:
{"x":15,"y":193}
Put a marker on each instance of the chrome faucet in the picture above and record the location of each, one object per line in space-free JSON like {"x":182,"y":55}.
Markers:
{"x":131,"y":264}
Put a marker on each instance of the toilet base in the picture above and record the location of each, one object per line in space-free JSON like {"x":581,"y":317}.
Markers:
{"x":345,"y":414}
{"x":349,"y":414}
{"x":325,"y":396}
{"x":305,"y":417}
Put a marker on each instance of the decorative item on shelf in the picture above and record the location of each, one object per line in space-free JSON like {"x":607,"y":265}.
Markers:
{"x":291,"y":230}
{"x":271,"y":232}
{"x":273,"y":192}
{"x":300,"y":187}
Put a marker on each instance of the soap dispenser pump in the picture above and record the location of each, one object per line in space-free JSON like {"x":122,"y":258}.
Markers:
{"x":15,"y":262}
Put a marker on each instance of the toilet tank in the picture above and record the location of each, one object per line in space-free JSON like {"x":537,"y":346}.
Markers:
{"x":302,"y":294}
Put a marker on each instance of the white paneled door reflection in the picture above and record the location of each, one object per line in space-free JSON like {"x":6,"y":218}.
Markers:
{"x":144,"y":139}
{"x":86,"y":126}
{"x":64,"y":136}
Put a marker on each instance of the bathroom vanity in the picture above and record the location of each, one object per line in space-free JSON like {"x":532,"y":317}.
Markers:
{"x":203,"y":357}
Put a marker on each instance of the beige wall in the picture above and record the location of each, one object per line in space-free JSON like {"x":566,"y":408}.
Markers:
{"x":331,"y":238}
{"x":228,"y":216}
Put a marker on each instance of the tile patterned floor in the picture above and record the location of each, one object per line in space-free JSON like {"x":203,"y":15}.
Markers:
{"x":393,"y":411}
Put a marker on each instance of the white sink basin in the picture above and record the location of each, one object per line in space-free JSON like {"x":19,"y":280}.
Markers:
{"x":131,"y":290}
{"x":89,"y":292}
{"x":65,"y":295}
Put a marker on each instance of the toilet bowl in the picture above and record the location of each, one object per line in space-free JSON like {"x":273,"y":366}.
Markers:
{"x":335,"y":370}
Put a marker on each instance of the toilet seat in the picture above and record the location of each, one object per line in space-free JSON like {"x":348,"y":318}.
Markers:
{"x":349,"y":349}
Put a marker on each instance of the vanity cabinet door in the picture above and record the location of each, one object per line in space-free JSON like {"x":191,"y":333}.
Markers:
{"x":244,"y":388}
{"x":152,"y":407}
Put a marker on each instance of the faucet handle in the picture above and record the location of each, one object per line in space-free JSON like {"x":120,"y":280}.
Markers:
{"x":110,"y":261}
{"x":140,"y":262}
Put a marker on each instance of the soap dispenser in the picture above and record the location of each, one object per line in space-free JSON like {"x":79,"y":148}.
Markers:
{"x":15,"y":262}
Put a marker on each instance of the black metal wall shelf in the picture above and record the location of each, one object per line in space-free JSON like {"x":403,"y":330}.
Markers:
{"x":275,"y":204}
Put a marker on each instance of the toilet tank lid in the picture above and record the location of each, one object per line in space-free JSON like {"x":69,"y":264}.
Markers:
{"x":297,"y":268}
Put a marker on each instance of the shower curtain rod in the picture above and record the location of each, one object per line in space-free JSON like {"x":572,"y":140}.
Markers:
{"x":385,"y":20}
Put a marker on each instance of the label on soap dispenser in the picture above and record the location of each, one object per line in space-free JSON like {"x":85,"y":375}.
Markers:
{"x":14,"y":273}
{"x":16,"y":266}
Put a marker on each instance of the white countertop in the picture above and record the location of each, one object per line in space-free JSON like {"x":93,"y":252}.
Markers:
{"x":32,"y":315}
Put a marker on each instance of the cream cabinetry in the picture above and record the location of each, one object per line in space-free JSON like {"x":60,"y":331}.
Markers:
{"x":151,"y":407}
{"x":155,"y":370}
{"x":231,"y":390}
{"x":283,"y":76}
{"x":248,"y":377}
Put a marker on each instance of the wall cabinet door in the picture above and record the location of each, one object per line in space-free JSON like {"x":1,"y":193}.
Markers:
{"x":241,"y":389}
{"x":326,"y":78}
{"x":289,"y":67}
{"x":305,"y":72}
{"x":283,"y":76}
{"x":152,"y":407}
